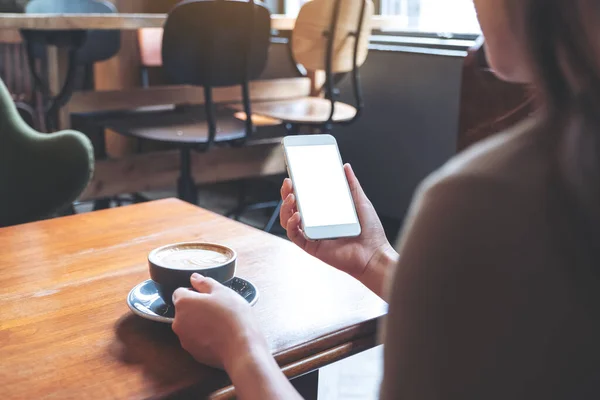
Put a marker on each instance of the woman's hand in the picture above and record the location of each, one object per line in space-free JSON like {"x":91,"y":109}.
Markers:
{"x":218,"y":328}
{"x":216,"y":325}
{"x":361,"y":257}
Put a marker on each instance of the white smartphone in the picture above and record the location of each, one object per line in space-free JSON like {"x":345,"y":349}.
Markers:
{"x":322,"y":192}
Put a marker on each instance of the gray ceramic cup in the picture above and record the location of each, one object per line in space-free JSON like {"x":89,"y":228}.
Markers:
{"x":172,"y":266}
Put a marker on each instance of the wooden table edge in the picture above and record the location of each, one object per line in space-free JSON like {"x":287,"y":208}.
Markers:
{"x":324,"y":343}
{"x":306,"y":366}
{"x":348,"y":342}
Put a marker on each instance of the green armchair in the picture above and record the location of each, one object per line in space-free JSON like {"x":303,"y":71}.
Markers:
{"x":40,"y":174}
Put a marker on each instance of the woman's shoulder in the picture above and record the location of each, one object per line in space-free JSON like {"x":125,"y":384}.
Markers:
{"x":486,"y":193}
{"x":515,"y":162}
{"x":483,"y":209}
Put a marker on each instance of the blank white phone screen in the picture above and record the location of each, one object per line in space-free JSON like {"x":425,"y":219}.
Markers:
{"x":321,"y":186}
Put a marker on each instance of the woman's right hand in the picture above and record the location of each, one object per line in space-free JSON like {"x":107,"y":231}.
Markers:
{"x":355,"y":256}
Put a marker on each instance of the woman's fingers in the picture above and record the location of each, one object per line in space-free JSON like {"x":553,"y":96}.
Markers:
{"x":288,"y":208}
{"x":185,"y":293}
{"x":355,"y":187}
{"x":360,"y":198}
{"x":294,"y":232}
{"x":286,"y":188}
{"x":201,"y":284}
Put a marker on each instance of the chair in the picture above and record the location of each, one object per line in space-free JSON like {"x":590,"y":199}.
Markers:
{"x":85,"y":48}
{"x":330,"y":36}
{"x":150,"y":50}
{"x":14,"y":71}
{"x":213,"y":44}
{"x":12,"y":6}
{"x":150,"y":45}
{"x":40,"y":174}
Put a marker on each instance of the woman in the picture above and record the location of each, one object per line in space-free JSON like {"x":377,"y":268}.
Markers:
{"x":496,"y":290}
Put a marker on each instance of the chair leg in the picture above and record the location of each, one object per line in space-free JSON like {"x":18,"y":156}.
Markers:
{"x":291,"y":129}
{"x":186,"y":187}
{"x":240,"y":208}
{"x":274,"y":217}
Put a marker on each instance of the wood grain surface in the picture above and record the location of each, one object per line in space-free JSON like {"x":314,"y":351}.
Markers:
{"x":128,"y":99}
{"x":309,"y":42}
{"x":81,"y":21}
{"x":66,"y":331}
{"x":130,"y":21}
{"x":302,"y":111}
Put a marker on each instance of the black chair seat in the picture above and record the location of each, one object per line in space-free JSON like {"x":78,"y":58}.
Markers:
{"x":186,"y":126}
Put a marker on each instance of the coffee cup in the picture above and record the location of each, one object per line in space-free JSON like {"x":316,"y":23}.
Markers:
{"x":172,"y":266}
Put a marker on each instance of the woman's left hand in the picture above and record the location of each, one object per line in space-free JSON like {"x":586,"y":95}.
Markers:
{"x":215,"y":324}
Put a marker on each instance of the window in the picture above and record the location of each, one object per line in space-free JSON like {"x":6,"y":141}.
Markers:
{"x":427,"y":16}
{"x":293,"y":6}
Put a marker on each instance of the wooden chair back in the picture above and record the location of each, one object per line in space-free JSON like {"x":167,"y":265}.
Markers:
{"x":310,"y":40}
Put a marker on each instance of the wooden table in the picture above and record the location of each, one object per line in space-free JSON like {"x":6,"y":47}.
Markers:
{"x":66,"y":331}
{"x":136,"y":21}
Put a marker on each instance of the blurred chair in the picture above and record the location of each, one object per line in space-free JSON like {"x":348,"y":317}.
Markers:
{"x":150,"y":45}
{"x":40,"y":174}
{"x":488,"y":105}
{"x":85,"y":48}
{"x":12,"y":6}
{"x":330,"y":36}
{"x":14,"y":71}
{"x":213,"y":44}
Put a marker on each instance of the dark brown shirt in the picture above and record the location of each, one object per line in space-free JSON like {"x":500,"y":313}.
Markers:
{"x":487,"y":302}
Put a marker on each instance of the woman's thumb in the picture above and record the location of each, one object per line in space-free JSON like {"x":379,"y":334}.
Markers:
{"x":203,"y":284}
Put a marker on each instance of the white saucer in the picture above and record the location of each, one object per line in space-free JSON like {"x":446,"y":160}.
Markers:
{"x":145,"y":300}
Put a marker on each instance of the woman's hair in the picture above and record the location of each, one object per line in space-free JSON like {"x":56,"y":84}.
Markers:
{"x":563,"y":45}
{"x":563,"y":48}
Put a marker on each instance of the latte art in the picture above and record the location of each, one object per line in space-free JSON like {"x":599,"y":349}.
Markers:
{"x":194,"y":259}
